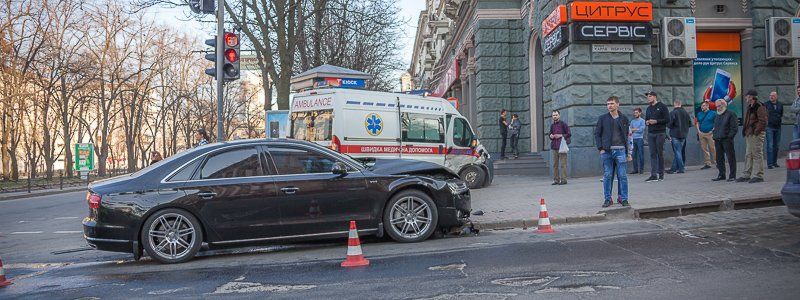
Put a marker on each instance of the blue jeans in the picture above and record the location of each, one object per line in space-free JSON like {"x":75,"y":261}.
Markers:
{"x":773,"y":144}
{"x":638,"y":155}
{"x":677,"y":148}
{"x":796,"y":132}
{"x":609,"y":159}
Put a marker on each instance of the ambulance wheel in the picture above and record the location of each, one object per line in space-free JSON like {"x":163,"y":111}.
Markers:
{"x":473,"y":176}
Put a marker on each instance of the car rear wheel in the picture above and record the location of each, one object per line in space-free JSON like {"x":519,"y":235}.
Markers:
{"x":172,"y":236}
{"x":410,"y":216}
{"x":473,"y":176}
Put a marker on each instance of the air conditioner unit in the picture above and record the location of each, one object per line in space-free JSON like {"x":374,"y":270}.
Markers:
{"x":679,"y":38}
{"x":783,"y":38}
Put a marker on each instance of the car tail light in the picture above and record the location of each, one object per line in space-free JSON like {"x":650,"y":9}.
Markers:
{"x":793,"y":160}
{"x":93,"y":200}
{"x":335,"y":144}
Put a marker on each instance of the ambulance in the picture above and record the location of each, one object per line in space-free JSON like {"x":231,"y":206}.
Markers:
{"x":372,"y":125}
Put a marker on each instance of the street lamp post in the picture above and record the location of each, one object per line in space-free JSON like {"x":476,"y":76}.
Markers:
{"x":219,"y":65}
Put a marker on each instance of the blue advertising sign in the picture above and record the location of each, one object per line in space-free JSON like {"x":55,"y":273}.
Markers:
{"x":348,"y":83}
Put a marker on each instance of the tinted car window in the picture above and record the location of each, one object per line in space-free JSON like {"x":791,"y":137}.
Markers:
{"x":291,"y":160}
{"x":186,"y":172}
{"x":241,"y":162}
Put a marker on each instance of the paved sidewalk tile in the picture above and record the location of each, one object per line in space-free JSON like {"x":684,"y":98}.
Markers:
{"x":517,"y":197}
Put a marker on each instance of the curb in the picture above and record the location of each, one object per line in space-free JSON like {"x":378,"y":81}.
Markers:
{"x":756,"y":201}
{"x":534,"y":222}
{"x":46,"y":193}
{"x":668,"y":211}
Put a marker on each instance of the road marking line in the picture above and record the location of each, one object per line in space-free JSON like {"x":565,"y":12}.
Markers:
{"x":66,"y":218}
{"x":75,"y":231}
{"x":26,"y":232}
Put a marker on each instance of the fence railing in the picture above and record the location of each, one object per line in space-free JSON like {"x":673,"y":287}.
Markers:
{"x":58,"y":181}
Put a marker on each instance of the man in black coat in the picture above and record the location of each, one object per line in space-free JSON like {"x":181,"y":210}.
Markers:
{"x":726,"y":125}
{"x":656,"y":119}
{"x":679,"y":123}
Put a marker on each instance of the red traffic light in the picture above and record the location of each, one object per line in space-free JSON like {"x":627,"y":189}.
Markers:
{"x":231,"y":55}
{"x":231,"y":39}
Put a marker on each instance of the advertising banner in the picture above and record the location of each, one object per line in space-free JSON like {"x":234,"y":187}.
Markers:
{"x":556,"y":18}
{"x":718,"y":75}
{"x":557,"y":39}
{"x":447,"y":79}
{"x":600,"y":11}
{"x":277,"y":123}
{"x":84,"y":157}
{"x":612,"y":32}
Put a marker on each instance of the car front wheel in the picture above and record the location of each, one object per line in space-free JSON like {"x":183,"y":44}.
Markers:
{"x":172,"y":236}
{"x":473,"y":176}
{"x":410,"y":216}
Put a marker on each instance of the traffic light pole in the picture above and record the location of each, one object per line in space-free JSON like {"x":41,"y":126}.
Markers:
{"x":219,"y":65}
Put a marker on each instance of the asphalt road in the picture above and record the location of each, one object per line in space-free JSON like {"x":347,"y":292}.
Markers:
{"x":737,"y":254}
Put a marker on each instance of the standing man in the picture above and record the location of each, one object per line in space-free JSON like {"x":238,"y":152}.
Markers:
{"x":796,"y":111}
{"x":726,"y":125}
{"x":559,"y":130}
{"x":705,"y":125}
{"x":503,"y":133}
{"x":753,"y":130}
{"x":656,"y":118}
{"x":637,"y":136}
{"x":774,"y":120}
{"x":679,"y":123}
{"x":514,"y":130}
{"x":200,"y":137}
{"x":611,"y":139}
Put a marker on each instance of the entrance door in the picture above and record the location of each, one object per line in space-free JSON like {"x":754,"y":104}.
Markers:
{"x":536,"y":98}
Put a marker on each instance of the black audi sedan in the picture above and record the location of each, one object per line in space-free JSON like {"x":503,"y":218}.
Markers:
{"x":252,"y":191}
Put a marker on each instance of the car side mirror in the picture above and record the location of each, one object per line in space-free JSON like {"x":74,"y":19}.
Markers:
{"x":339,"y":169}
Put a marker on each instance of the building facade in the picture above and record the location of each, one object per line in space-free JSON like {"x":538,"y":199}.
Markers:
{"x":493,"y":57}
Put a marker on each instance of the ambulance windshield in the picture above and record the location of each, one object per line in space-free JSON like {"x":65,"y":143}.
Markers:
{"x":312,"y":125}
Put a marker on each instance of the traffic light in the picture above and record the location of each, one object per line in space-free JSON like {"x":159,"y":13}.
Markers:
{"x":230,"y":59}
{"x":212,"y":56}
{"x":230,"y":68}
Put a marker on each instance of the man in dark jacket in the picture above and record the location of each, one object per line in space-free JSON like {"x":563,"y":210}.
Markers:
{"x":559,"y":130}
{"x":726,"y":125}
{"x":753,"y":130}
{"x":503,"y":123}
{"x":611,"y":139}
{"x":656,"y":118}
{"x":774,"y":120}
{"x":679,"y":123}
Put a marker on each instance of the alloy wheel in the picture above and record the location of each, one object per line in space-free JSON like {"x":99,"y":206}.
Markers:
{"x":172,"y":236}
{"x":410,"y":217}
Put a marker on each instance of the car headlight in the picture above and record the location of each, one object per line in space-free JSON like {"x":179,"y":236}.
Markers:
{"x":457,"y":187}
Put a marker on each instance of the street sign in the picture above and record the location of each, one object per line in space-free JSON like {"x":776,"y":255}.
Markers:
{"x":248,"y":62}
{"x":84,"y":157}
{"x":613,"y":48}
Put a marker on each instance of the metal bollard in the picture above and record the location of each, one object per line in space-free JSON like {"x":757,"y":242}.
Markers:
{"x":29,"y":185}
{"x":61,"y":181}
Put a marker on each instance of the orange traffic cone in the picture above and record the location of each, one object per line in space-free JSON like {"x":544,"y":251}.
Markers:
{"x":355,"y":258}
{"x":544,"y":220}
{"x":3,"y":280}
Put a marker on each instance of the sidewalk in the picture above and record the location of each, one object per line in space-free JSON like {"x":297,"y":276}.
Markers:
{"x":512,"y":201}
{"x":41,"y":192}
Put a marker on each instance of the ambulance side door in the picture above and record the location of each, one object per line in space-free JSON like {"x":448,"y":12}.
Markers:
{"x":459,"y":139}
{"x":423,"y":136}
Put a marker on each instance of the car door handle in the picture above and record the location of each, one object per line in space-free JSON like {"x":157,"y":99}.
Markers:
{"x":206,"y":195}
{"x":290,"y":190}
